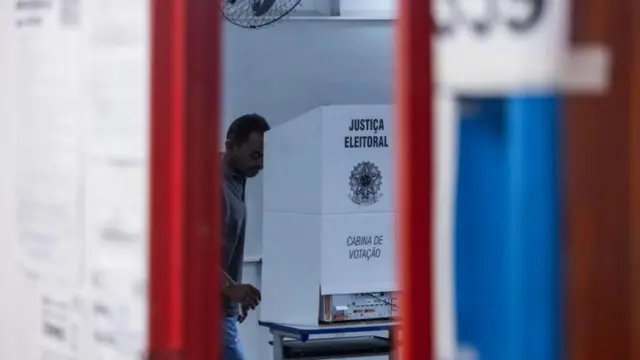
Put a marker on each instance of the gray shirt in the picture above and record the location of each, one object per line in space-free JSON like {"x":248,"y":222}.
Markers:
{"x":233,"y":226}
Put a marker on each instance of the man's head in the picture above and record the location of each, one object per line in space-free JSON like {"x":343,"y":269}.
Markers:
{"x":245,"y":144}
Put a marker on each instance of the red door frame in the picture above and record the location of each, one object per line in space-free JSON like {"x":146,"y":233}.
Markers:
{"x":602,"y":191}
{"x":416,"y":178}
{"x":166,"y":180}
{"x":184,"y":305}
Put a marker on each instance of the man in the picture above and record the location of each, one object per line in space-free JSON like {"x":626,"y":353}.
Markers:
{"x":242,"y":159}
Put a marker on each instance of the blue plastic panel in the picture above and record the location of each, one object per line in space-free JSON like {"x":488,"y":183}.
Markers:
{"x":507,"y":248}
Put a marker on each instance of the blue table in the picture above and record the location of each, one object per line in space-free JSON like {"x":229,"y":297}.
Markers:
{"x":310,"y":342}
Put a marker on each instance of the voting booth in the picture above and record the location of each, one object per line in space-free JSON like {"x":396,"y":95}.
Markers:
{"x":328,"y":216}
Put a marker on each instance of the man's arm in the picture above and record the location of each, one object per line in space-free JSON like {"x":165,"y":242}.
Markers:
{"x":225,"y":279}
{"x":245,"y":294}
{"x":229,"y":289}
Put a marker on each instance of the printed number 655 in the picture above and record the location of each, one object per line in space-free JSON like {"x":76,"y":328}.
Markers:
{"x":451,"y":16}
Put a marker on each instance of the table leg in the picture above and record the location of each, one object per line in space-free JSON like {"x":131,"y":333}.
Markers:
{"x":278,"y":353}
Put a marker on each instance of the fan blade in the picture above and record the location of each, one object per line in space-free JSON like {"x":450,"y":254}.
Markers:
{"x":262,"y":7}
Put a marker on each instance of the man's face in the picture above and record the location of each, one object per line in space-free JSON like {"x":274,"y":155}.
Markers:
{"x":247,"y":157}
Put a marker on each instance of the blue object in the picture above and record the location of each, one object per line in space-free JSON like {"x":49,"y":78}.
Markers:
{"x":232,"y":348}
{"x":507,"y":240}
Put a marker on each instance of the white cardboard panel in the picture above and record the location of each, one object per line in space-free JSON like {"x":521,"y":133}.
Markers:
{"x":357,"y":167}
{"x":292,"y":161}
{"x":309,"y":215}
{"x":358,"y":254}
{"x":290,"y":268}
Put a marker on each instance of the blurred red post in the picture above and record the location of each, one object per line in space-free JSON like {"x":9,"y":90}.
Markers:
{"x":416,"y":180}
{"x":202,"y":302}
{"x":184,"y":245}
{"x":166,"y":213}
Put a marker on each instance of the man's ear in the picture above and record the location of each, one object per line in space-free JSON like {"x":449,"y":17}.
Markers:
{"x":228,"y":144}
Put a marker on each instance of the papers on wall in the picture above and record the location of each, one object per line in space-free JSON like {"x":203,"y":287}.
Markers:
{"x":59,"y":326}
{"x":116,"y":74}
{"x":117,"y":71}
{"x":116,"y":216}
{"x":49,"y":139}
{"x":117,"y":315}
{"x":81,"y":171}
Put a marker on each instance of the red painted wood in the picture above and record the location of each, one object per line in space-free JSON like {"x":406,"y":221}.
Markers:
{"x":166,"y":169}
{"x":184,"y":245}
{"x":602,"y":187}
{"x":203,"y":309}
{"x":416,"y":179}
{"x":634,"y":153}
{"x":177,"y":160}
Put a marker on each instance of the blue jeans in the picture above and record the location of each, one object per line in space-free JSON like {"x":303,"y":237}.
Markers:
{"x":231,"y":347}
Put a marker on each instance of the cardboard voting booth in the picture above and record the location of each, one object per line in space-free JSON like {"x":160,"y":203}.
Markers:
{"x":328,"y":210}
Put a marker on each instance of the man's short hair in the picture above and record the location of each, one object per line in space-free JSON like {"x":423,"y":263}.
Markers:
{"x":245,"y":125}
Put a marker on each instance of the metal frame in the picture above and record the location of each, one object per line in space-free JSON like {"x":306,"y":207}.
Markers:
{"x":281,"y":332}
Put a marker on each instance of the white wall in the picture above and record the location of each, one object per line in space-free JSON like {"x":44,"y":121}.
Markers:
{"x":296,"y":65}
{"x":19,"y":296}
{"x":7,"y":230}
{"x":285,"y":70}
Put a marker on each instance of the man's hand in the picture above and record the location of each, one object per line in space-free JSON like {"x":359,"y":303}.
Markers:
{"x":245,"y":294}
{"x":244,"y":312}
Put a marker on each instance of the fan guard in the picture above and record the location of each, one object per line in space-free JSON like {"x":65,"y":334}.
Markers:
{"x":253,"y":14}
